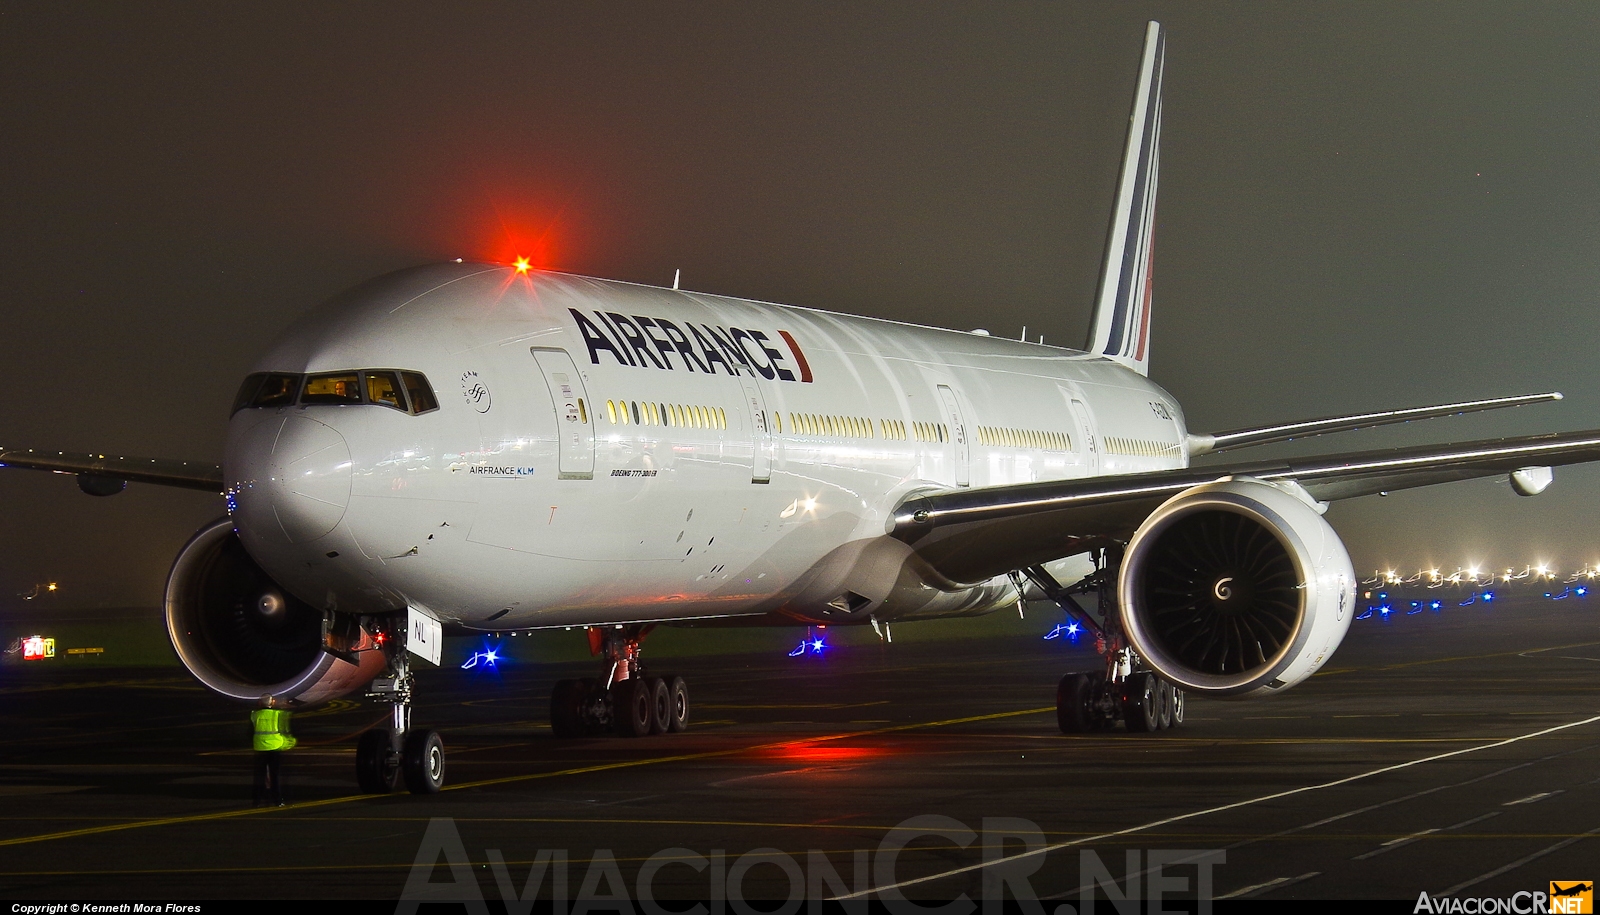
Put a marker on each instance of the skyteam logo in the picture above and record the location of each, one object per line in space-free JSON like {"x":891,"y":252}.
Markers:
{"x":475,"y":392}
{"x":644,"y":342}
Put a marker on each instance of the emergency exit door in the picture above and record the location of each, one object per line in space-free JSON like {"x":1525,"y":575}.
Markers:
{"x":574,"y":421}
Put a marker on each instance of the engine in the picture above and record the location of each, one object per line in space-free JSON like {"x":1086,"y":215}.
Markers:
{"x":246,"y":637}
{"x":1236,"y":588}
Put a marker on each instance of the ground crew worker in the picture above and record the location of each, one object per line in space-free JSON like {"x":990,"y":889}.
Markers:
{"x":272,"y":737}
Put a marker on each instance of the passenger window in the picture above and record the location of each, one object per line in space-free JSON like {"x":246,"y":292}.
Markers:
{"x":419,"y":392}
{"x":384,"y":388}
{"x":635,"y":411}
{"x":333,"y":388}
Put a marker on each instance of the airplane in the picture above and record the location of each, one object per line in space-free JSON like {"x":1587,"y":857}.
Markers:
{"x":489,"y":448}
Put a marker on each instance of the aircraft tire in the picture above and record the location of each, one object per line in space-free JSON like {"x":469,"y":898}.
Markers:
{"x":678,"y":697}
{"x":377,"y":772}
{"x":1073,"y":712}
{"x":566,"y":709}
{"x":1139,"y":703}
{"x":422,"y":760}
{"x":1163,"y":704}
{"x":595,"y":713}
{"x":632,"y":704}
{"x":660,"y":705}
{"x":1177,"y":706}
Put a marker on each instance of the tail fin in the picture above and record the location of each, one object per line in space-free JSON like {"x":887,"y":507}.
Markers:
{"x":1121,"y":326}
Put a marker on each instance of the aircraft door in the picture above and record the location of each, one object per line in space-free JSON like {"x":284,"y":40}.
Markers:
{"x":1086,"y":431}
{"x":958,"y":435}
{"x":574,"y":423}
{"x":755,"y":408}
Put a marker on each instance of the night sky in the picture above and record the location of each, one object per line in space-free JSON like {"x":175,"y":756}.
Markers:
{"x":1362,"y":206}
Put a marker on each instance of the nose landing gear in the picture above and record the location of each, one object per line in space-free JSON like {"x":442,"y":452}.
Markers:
{"x":627,"y":702}
{"x":386,"y":756}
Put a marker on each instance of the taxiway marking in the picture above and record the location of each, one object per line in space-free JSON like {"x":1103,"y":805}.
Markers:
{"x":1518,"y":863}
{"x":1245,"y":803}
{"x":512,"y":779}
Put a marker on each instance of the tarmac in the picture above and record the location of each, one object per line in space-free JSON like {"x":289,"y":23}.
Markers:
{"x":1453,"y":751}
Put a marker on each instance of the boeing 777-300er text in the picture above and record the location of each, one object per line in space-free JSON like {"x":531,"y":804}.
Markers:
{"x":481,"y":448}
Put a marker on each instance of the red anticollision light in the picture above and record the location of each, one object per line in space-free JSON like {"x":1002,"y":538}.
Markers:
{"x":522,"y":265}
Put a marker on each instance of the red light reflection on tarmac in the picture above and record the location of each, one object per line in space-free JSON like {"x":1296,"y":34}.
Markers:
{"x":822,"y":752}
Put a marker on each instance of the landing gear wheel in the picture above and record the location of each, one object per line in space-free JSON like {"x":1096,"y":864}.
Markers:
{"x":1073,"y":712}
{"x":422,"y":760}
{"x":631,"y":704}
{"x":377,"y":763}
{"x":1139,"y":703}
{"x":678,"y":710}
{"x":660,"y":705}
{"x":1177,"y":706}
{"x":592,"y":700}
{"x":1163,"y":704}
{"x":1099,"y":718}
{"x":566,"y":709}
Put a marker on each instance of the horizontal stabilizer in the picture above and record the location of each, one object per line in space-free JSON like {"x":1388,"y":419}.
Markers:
{"x":159,"y":471}
{"x":1267,"y":435}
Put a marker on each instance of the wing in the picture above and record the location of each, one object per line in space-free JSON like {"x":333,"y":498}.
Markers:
{"x":97,"y":470}
{"x":972,"y":535}
{"x":1288,"y":432}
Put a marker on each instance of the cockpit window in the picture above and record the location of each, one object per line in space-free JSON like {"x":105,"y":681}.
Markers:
{"x":422,"y":399}
{"x":247,"y":392}
{"x":384,"y":388}
{"x":264,"y":389}
{"x":332,"y":388}
{"x":276,"y":391}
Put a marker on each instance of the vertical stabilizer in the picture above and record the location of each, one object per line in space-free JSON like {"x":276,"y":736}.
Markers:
{"x":1121,"y":326}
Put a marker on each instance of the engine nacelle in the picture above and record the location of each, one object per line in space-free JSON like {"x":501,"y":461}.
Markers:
{"x":1236,"y":588}
{"x":246,"y":637}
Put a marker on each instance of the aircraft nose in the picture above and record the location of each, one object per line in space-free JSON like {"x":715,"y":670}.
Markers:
{"x":292,"y":479}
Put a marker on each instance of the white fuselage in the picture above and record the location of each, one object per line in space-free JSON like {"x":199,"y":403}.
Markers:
{"x":606,"y":452}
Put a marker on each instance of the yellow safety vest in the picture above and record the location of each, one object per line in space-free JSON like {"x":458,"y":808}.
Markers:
{"x":272,"y":730}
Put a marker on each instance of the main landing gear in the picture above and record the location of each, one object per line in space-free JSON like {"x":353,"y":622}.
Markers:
{"x":387,"y":756}
{"x":1124,"y":691}
{"x":626,"y":702}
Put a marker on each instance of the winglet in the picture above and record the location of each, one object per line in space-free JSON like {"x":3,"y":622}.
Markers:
{"x":1121,"y":326}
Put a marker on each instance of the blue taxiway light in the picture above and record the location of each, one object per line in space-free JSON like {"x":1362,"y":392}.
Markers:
{"x":489,"y":657}
{"x":809,"y":645}
{"x":1070,"y":630}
